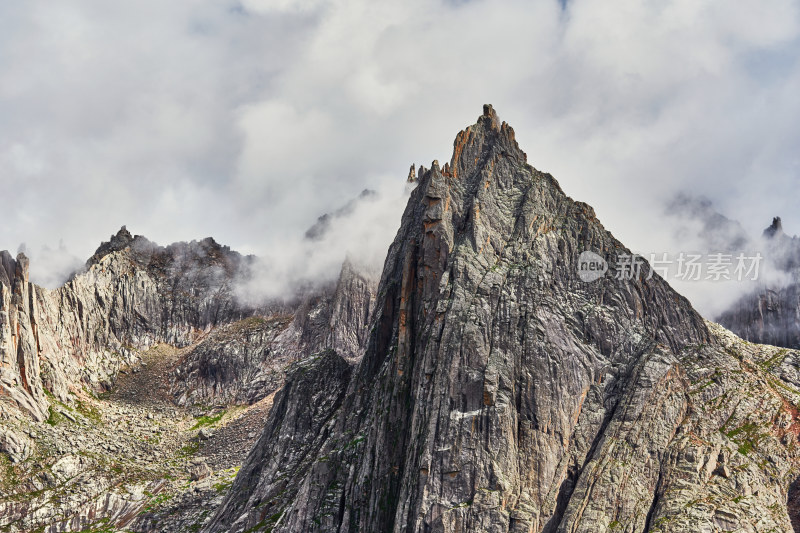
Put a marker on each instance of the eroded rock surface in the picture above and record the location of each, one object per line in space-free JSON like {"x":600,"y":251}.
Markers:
{"x":244,"y":361}
{"x":497,"y":392}
{"x":133,"y":294}
{"x":501,"y":393}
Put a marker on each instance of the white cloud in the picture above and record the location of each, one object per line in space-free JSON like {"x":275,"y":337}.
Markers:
{"x":273,"y":6}
{"x":246,"y":120}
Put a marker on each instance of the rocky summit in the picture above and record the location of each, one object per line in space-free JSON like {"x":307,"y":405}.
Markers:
{"x":482,"y":385}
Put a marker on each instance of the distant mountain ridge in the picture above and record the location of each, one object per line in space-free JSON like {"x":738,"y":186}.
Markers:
{"x":771,"y":314}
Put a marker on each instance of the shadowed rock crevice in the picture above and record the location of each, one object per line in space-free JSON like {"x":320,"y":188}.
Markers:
{"x":793,"y":504}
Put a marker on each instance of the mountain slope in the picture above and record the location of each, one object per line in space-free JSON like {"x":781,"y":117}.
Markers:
{"x":106,"y":381}
{"x":499,"y":392}
{"x":245,"y":361}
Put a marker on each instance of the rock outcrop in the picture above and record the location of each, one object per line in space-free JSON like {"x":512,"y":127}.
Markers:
{"x":167,"y":322}
{"x":500,"y":393}
{"x":482,"y":386}
{"x":245,"y":361}
{"x":134,"y":294}
{"x":323,"y":224}
{"x":296,"y":430}
{"x":768,"y":316}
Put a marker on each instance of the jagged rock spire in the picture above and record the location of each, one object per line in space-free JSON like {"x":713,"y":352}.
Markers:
{"x":412,"y":174}
{"x":119,"y":241}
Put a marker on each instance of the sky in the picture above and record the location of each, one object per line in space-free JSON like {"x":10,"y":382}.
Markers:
{"x":246,"y":120}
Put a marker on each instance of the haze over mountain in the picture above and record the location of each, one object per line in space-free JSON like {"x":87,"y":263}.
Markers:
{"x":770,"y":313}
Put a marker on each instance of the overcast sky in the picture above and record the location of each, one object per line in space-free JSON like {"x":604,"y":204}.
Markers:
{"x":245,"y":120}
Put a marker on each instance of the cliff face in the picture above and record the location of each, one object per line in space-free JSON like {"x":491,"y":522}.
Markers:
{"x":20,"y":374}
{"x":135,"y":294}
{"x":160,"y":332}
{"x":245,"y":361}
{"x":769,"y":316}
{"x":499,"y":392}
{"x":132,"y":295}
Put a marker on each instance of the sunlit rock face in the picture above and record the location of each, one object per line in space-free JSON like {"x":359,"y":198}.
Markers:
{"x":499,"y":392}
{"x":482,"y":385}
{"x":134,"y":294}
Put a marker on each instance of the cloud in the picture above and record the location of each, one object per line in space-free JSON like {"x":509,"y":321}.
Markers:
{"x":358,"y":232}
{"x":699,"y":230}
{"x":247,"y":120}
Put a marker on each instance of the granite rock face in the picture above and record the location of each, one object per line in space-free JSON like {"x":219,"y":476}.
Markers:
{"x":769,"y":316}
{"x":770,"y":312}
{"x":132,"y":295}
{"x":245,"y":361}
{"x":197,"y":369}
{"x":298,"y":425}
{"x":500,"y":393}
{"x":482,"y":386}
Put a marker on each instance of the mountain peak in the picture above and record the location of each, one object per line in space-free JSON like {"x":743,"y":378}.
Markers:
{"x":488,"y":356}
{"x":776,"y":228}
{"x":486,"y":139}
{"x":121,"y":240}
{"x":412,"y":174}
{"x":13,"y":269}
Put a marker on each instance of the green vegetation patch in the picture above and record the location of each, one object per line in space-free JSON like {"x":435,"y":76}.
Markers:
{"x":101,"y":526}
{"x":746,"y":436}
{"x":190,"y":449}
{"x":206,"y":420}
{"x":775,"y":360}
{"x":157,"y":501}
{"x":89,"y":412}
{"x":55,"y":418}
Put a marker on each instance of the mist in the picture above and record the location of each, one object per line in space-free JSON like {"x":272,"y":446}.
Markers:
{"x":247,"y":120}
{"x":358,"y":232}
{"x":696,"y":227}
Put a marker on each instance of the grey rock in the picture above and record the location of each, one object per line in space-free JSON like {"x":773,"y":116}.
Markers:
{"x":289,"y":445}
{"x":771,"y":314}
{"x":15,"y":444}
{"x":245,"y":361}
{"x":199,"y":471}
{"x":499,"y":392}
{"x":133,"y":294}
{"x":321,"y":227}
